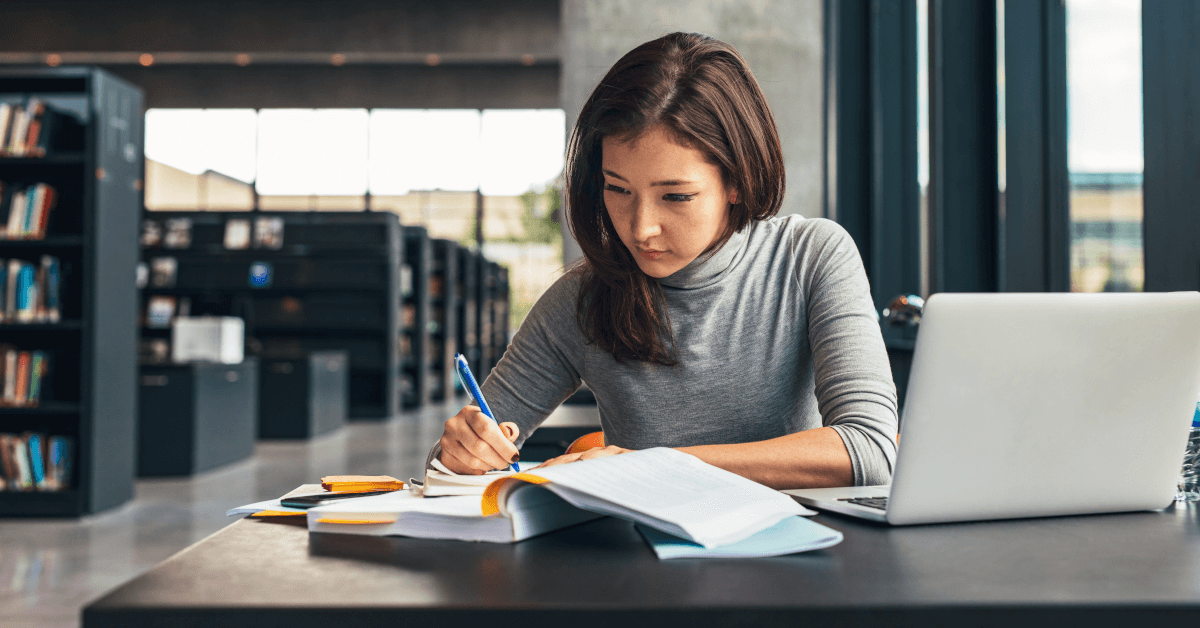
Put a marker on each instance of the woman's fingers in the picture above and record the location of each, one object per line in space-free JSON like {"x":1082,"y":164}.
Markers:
{"x":591,"y":454}
{"x":493,"y":444}
{"x":563,"y":459}
{"x":458,"y":460}
{"x":473,"y":443}
{"x":601,"y":452}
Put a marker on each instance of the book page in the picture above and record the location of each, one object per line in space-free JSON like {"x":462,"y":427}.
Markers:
{"x":711,"y":505}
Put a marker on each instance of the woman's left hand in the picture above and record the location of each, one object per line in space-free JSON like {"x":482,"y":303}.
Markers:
{"x":598,"y":452}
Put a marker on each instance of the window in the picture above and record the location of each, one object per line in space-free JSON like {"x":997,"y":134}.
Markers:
{"x":1105,"y":158}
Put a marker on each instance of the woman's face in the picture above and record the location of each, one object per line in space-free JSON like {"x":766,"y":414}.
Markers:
{"x":668,"y":203}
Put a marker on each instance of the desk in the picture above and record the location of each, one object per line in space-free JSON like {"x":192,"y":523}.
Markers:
{"x":1109,"y":570}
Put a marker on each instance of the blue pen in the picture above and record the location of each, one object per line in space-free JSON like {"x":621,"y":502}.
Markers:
{"x":468,"y":380}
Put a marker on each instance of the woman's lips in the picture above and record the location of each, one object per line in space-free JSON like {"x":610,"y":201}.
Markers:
{"x":651,"y":254}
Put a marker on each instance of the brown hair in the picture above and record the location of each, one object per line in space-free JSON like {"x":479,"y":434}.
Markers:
{"x":702,"y":90}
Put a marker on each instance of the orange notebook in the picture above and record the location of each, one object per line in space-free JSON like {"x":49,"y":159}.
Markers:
{"x":360,"y":483}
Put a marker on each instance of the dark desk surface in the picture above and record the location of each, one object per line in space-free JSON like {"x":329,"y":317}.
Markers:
{"x":1109,"y":570}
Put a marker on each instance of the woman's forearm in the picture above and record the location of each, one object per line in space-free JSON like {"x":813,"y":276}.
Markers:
{"x":809,"y":459}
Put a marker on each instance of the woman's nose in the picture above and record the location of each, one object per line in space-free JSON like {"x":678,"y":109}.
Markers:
{"x":645,"y":222}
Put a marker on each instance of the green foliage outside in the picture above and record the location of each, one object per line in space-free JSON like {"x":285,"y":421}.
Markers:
{"x":543,"y":213}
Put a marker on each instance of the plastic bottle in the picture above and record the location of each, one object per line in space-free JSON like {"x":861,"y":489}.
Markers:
{"x":1189,"y":477}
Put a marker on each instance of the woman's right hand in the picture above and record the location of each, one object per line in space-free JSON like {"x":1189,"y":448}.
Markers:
{"x":473,"y":444}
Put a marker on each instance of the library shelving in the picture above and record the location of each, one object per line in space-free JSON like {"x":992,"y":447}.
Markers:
{"x":418,"y":259}
{"x":466,"y":309}
{"x":443,"y":317}
{"x":302,"y":281}
{"x":500,"y":311}
{"x":88,"y":149}
{"x":493,"y":313}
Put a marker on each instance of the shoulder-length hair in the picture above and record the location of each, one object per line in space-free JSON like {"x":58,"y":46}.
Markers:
{"x":703,"y":92}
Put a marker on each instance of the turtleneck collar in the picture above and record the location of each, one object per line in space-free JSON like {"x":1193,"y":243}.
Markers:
{"x":708,"y":268}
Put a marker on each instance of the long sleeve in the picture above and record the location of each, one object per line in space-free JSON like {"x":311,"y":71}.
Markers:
{"x":853,"y":381}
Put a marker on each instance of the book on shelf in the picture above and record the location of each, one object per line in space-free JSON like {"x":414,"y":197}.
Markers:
{"x":152,"y":234}
{"x":25,"y":210}
{"x":30,"y":294}
{"x":32,"y":461}
{"x":163,"y":271}
{"x":172,"y":233}
{"x":160,"y":311}
{"x":154,"y":350}
{"x":237,"y":234}
{"x":178,"y":233}
{"x":262,"y":274}
{"x":30,"y":129}
{"x":268,"y":233}
{"x":23,"y":375}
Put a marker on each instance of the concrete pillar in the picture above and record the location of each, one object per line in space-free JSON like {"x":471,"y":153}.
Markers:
{"x":781,"y":39}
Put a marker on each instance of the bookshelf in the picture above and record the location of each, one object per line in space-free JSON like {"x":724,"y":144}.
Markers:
{"x":467,"y":310}
{"x":415,"y":311}
{"x":331,"y":283}
{"x":493,"y":313}
{"x":93,"y":161}
{"x":443,"y":327}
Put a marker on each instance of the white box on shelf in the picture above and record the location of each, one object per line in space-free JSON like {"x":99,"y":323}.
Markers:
{"x":208,"y":339}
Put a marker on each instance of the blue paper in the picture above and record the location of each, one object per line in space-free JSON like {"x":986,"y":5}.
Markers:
{"x":789,"y":536}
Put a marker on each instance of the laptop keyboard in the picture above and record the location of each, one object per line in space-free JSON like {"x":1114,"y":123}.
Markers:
{"x":870,"y":502}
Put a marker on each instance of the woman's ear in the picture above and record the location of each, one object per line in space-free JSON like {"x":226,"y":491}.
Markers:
{"x":733,"y":196}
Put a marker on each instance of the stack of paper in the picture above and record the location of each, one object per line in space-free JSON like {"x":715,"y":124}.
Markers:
{"x":441,"y":481}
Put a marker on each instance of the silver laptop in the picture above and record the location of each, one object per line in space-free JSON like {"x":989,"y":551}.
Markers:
{"x":1034,"y":405}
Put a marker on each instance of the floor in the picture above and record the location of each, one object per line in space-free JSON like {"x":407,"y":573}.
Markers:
{"x":50,"y":568}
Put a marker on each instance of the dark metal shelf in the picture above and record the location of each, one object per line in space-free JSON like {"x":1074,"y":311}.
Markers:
{"x":63,"y":325}
{"x":49,"y":242}
{"x":303,"y":329}
{"x":218,"y":251}
{"x":33,"y":504}
{"x":344,"y":289}
{"x":57,"y":159}
{"x":45,"y":407}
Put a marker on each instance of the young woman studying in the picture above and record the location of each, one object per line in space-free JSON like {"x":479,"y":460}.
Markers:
{"x":699,"y":320}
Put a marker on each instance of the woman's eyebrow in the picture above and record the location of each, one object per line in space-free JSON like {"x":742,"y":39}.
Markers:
{"x":668,"y":182}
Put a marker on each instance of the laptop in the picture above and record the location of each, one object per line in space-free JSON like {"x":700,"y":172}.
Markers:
{"x":1036,"y":405}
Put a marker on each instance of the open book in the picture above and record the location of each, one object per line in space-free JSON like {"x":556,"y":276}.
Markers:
{"x":661,"y":488}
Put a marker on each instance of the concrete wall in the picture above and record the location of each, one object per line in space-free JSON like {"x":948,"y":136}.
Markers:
{"x":781,"y":39}
{"x":280,"y":53}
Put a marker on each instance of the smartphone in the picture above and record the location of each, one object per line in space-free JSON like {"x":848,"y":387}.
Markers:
{"x":321,"y":499}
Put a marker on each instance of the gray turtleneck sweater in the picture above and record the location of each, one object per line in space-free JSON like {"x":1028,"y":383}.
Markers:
{"x":775,"y":333}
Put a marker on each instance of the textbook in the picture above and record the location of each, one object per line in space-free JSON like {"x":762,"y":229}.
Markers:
{"x":660,"y":488}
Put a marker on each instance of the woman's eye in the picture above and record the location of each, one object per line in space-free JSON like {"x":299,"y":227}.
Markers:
{"x":678,"y":198}
{"x":608,"y":187}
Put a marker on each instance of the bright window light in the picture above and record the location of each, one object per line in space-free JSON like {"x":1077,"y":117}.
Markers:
{"x":198,"y":140}
{"x":424,"y":149}
{"x":520,"y":149}
{"x":312,"y":151}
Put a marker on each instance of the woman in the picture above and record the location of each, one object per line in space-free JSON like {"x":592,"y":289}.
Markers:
{"x":698,"y":320}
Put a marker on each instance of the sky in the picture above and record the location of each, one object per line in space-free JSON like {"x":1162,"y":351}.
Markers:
{"x":348,"y":151}
{"x":1104,"y":85}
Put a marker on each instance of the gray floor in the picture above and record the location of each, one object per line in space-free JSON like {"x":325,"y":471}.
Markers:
{"x":50,"y":568}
